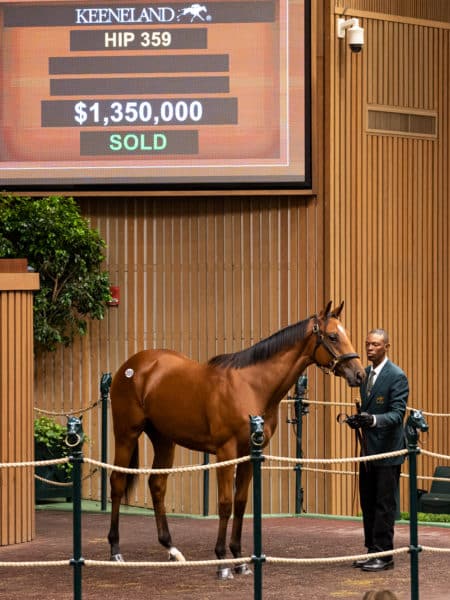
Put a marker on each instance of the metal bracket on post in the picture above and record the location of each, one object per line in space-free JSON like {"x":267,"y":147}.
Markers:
{"x":415,"y":423}
{"x":301,"y":409}
{"x":105,"y":384}
{"x":256,"y":446}
{"x":75,"y":439}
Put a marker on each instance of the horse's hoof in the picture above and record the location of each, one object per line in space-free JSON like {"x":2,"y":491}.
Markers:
{"x":243,"y":569}
{"x":224,"y":573}
{"x":175,"y":554}
{"x":117,"y":558}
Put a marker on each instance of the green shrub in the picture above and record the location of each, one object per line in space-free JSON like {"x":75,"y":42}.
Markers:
{"x":52,"y":437}
{"x":60,"y":245}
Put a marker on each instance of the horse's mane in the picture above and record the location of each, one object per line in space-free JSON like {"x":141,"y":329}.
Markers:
{"x":263,"y":349}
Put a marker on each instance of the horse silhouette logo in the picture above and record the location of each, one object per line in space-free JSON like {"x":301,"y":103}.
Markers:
{"x":194,"y":11}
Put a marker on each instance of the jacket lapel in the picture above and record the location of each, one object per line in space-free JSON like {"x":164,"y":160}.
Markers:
{"x":381,"y":377}
{"x":378,"y":385}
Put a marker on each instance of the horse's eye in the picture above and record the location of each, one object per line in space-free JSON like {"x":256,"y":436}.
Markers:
{"x":333,"y":337}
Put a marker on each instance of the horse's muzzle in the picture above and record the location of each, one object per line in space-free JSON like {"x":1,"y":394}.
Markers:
{"x":358,"y":379}
{"x":353,"y":376}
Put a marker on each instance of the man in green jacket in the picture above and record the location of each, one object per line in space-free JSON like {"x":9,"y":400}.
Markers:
{"x":384,"y":395}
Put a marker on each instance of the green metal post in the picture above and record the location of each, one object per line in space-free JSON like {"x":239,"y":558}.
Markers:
{"x":414,"y":423}
{"x":413,"y":535}
{"x":301,"y":409}
{"x":74,"y":439}
{"x":256,"y":444}
{"x":105,"y":384}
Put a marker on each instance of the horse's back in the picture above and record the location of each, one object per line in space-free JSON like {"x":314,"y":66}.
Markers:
{"x":141,"y":360}
{"x":132,"y":374}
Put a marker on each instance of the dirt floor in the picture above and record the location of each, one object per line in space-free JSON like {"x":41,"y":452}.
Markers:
{"x":301,"y":537}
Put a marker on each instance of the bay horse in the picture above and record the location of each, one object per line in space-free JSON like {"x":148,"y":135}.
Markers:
{"x":206,"y":407}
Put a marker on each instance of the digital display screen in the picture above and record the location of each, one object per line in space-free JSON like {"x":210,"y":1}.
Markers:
{"x":155,"y":94}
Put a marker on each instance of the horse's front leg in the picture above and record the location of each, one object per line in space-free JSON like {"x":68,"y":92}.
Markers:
{"x":244,"y":474}
{"x":225,"y":489}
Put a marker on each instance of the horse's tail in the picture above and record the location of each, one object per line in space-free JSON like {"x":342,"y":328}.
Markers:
{"x":131,"y":477}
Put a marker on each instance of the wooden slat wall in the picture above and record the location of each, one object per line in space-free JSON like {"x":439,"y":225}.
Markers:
{"x":202,"y":276}
{"x":389,"y":222}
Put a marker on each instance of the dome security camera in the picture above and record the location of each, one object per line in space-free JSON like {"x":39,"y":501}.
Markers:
{"x":355,"y":33}
{"x":355,"y":38}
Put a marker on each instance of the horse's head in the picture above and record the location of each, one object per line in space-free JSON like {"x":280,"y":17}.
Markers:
{"x":333,"y":351}
{"x":415,"y":423}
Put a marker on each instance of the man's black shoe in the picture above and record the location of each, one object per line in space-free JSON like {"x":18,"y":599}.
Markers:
{"x":378,"y":564}
{"x":358,"y":564}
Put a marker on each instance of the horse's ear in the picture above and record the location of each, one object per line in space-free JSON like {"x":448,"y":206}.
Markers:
{"x":337,"y":311}
{"x":327,"y":309}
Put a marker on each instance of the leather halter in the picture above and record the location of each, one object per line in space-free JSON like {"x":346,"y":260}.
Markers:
{"x":322,"y":341}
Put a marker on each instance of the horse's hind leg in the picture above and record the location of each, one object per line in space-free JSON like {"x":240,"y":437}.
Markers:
{"x":118,"y":483}
{"x":244,"y":474}
{"x":125,"y":456}
{"x":164,"y":450}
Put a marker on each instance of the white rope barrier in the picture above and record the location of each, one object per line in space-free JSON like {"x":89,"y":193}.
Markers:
{"x":433,"y":549}
{"x":228,"y":561}
{"x":340,"y":472}
{"x":430,"y":414}
{"x":335,"y":559}
{"x":60,"y":461}
{"x":217,"y":465}
{"x":331,"y":471}
{"x":52,"y":482}
{"x":35,"y":463}
{"x":434,"y":454}
{"x":324,"y":402}
{"x":227,"y":463}
{"x":168,"y":563}
{"x":37,"y":563}
{"x":352,"y":404}
{"x":289,"y":400}
{"x":284,"y":401}
{"x":69,"y":413}
{"x":336,"y":460}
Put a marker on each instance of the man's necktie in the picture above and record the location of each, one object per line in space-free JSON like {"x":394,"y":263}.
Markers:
{"x":370,"y":381}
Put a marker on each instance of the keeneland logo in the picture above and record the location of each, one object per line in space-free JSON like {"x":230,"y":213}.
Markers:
{"x":194,"y":11}
{"x":158,"y":14}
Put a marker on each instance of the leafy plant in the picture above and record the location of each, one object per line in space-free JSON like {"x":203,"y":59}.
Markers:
{"x":52,"y":436}
{"x":59,"y":244}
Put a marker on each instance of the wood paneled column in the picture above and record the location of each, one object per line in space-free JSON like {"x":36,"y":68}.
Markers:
{"x":17,"y":522}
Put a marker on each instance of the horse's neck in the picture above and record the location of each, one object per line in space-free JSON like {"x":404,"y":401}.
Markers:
{"x":273,"y":378}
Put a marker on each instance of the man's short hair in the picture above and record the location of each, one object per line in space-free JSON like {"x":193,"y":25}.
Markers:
{"x":381,"y":332}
